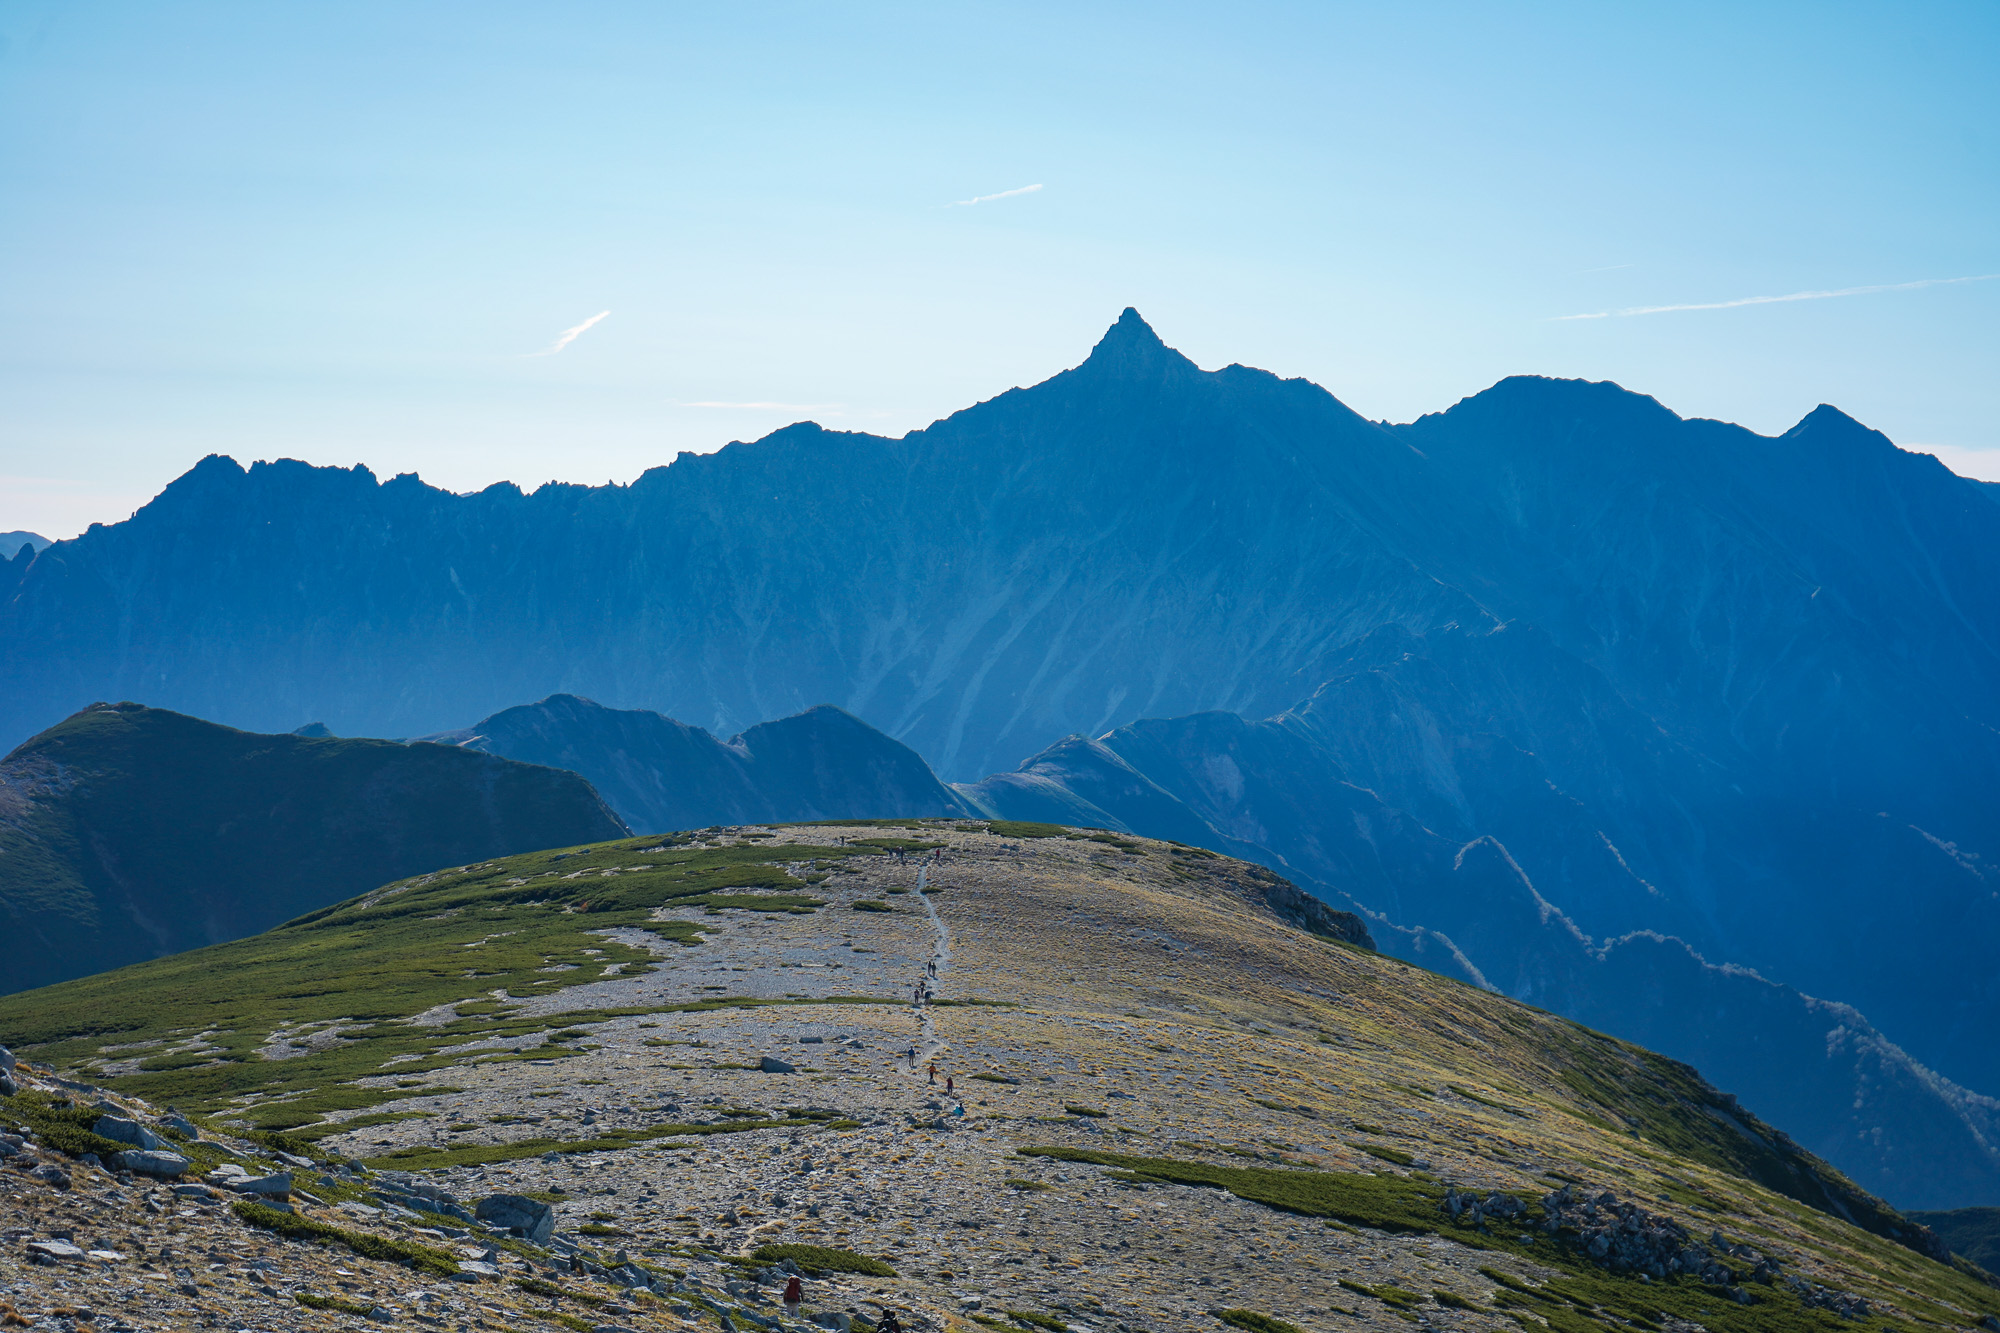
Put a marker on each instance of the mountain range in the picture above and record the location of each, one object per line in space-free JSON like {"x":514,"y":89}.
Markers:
{"x":1547,"y":682}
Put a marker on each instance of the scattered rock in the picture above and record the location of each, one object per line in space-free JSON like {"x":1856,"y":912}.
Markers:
{"x":121,"y":1130}
{"x":523,"y":1216}
{"x":1626,"y":1238}
{"x":53,"y":1251}
{"x":162,"y":1164}
{"x":771,"y":1064}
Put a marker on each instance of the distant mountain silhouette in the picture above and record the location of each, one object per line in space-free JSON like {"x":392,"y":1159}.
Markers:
{"x":129,"y":833}
{"x":1683,"y":678}
{"x":661,"y":775}
{"x":11,"y":543}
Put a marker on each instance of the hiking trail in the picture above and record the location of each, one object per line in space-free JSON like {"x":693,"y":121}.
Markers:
{"x":929,"y":1047}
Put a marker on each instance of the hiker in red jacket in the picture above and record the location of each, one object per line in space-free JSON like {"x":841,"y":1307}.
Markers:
{"x":794,"y":1294}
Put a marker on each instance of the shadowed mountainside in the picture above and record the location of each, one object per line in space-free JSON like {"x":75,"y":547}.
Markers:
{"x":129,"y":833}
{"x":661,"y":775}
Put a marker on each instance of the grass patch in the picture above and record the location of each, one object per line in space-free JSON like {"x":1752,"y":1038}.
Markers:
{"x":549,"y":1291}
{"x":870,"y":905}
{"x":995,"y":1078}
{"x":293,"y":1227}
{"x":1090,"y":1111}
{"x":1021,"y":828}
{"x":818,"y":1259}
{"x":1391,"y":1296}
{"x":1029,"y":1319}
{"x":1255,"y":1322}
{"x":1395,"y":1155}
{"x":312,"y":1302}
{"x":64,"y":1128}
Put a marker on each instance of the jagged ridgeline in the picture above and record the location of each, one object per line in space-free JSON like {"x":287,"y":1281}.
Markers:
{"x":1154,"y":1015}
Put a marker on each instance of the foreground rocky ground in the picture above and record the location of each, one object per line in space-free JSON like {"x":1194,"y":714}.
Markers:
{"x":1088,"y":998}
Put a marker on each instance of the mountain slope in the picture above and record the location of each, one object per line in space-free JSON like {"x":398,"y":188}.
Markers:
{"x":659,"y":774}
{"x":1173,"y":1101}
{"x":1276,"y":792}
{"x":130,"y":832}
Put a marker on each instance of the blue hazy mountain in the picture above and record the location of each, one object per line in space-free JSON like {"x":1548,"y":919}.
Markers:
{"x":1733,"y":689}
{"x":12,"y":542}
{"x":661,"y":775}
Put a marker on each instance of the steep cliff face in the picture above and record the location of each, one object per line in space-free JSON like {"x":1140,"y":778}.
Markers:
{"x":661,"y":775}
{"x":129,"y":833}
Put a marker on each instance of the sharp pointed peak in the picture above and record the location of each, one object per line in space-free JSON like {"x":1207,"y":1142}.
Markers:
{"x":1828,"y":424}
{"x":1826,"y":414}
{"x":1130,"y":346}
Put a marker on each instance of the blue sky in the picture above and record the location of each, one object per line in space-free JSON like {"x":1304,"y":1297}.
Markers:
{"x":341,"y":232}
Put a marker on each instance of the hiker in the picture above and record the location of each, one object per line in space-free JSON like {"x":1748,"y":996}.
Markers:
{"x":933,"y":1071}
{"x":888,"y":1323}
{"x":947,"y":1086}
{"x":794,"y":1295}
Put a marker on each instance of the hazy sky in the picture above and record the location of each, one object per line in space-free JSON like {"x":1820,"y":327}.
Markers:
{"x":371,"y":233}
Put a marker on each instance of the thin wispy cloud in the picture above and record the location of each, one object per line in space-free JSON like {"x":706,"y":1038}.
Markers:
{"x":568,"y":336}
{"x":989,"y":198}
{"x":1777,"y":300}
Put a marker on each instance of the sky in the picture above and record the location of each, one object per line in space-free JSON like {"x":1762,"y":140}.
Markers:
{"x":502,"y":241}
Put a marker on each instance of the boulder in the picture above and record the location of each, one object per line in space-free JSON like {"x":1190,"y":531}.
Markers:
{"x":180,"y":1124}
{"x":525,"y":1217}
{"x":8,"y":1087}
{"x":771,"y":1064}
{"x":151,"y":1162}
{"x":121,"y":1130}
{"x":834,"y":1320}
{"x":276,"y":1185}
{"x":7,"y":1060}
{"x":53,"y":1252}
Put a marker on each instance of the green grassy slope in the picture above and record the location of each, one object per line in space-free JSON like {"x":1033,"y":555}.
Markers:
{"x":520,"y":925}
{"x":129,"y":832}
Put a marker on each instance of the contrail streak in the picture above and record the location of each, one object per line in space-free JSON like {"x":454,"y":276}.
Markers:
{"x":569,"y":336}
{"x":1774,"y":300}
{"x":989,"y":198}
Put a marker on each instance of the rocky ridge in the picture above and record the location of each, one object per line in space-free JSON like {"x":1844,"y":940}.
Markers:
{"x":993,"y":1076}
